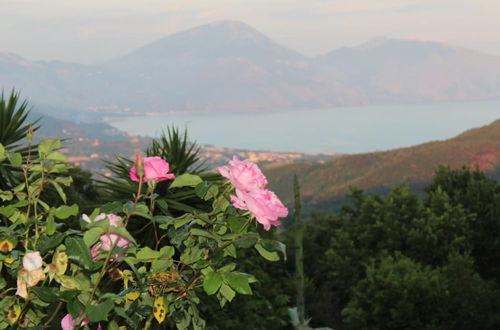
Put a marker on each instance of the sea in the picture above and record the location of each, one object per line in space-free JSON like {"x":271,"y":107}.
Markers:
{"x":342,"y":129}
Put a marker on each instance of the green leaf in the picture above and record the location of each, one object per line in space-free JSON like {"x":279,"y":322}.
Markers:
{"x":75,"y":307}
{"x":271,"y":256}
{"x":78,"y":252}
{"x":167,"y":251}
{"x":57,"y":156}
{"x":227,"y":292}
{"x":236,"y":224}
{"x":239,"y":282}
{"x":147,"y":254}
{"x":2,"y":153}
{"x":99,"y":312}
{"x":47,"y":146}
{"x":246,"y":241}
{"x":273,"y":245}
{"x":16,"y":159}
{"x":181,"y":221}
{"x":159,"y":265}
{"x":186,"y":180}
{"x":46,"y":243}
{"x":45,"y":294}
{"x":92,"y":235}
{"x":206,"y":191}
{"x":64,"y":211}
{"x":50,"y":225}
{"x":212,"y":281}
{"x":59,"y":190}
{"x":201,"y":232}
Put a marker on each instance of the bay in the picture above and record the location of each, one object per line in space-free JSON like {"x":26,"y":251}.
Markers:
{"x":344,"y":129}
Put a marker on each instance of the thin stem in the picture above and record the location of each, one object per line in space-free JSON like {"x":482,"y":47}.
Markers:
{"x":51,"y":318}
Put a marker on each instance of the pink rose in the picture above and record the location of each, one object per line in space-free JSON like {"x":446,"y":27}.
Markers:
{"x":244,"y":175}
{"x":108,"y":240}
{"x":155,"y":168}
{"x":114,"y":219}
{"x":68,"y":323}
{"x":263,"y":204}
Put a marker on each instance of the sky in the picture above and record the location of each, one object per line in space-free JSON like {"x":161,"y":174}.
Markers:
{"x":88,"y":31}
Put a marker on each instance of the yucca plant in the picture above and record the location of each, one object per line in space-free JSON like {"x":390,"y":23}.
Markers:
{"x":14,"y":129}
{"x":182,"y":156}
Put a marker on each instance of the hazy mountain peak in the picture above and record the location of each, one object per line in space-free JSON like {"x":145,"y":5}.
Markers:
{"x":219,"y":39}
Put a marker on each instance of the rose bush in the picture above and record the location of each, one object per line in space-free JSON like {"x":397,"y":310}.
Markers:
{"x":100,"y":270}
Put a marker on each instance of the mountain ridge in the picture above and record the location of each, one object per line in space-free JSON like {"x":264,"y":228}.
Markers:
{"x":324,"y":183}
{"x":228,"y":66}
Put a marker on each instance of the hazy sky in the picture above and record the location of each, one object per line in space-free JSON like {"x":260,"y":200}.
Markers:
{"x":90,"y":30}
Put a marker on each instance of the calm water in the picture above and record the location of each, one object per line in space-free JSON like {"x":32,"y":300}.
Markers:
{"x":347,"y":130}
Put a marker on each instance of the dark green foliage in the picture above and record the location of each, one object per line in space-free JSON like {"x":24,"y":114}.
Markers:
{"x":398,"y":293}
{"x":266,"y":309}
{"x":480,"y":197}
{"x":13,"y":134}
{"x":408,"y":262}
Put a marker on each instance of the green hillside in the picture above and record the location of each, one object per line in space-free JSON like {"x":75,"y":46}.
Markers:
{"x":324,"y":183}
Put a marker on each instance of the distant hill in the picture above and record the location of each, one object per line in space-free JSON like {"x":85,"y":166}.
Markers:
{"x":228,"y":66}
{"x":325,"y":183}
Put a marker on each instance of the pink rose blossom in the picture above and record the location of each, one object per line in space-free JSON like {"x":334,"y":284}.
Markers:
{"x":244,"y":175}
{"x":114,"y":220}
{"x":68,"y":323}
{"x":155,"y":168}
{"x":108,"y":240}
{"x":263,"y":204}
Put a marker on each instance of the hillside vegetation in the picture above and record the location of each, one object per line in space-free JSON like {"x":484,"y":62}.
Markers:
{"x":324,"y":183}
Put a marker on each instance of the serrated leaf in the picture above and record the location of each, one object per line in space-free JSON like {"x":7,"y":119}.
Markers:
{"x":78,"y":252}
{"x":57,"y":156}
{"x":99,"y":312}
{"x":59,"y":190}
{"x":271,"y":256}
{"x":16,"y":159}
{"x":239,"y":282}
{"x":50,"y":225}
{"x":147,"y":254}
{"x":227,"y":292}
{"x":65,"y":211}
{"x":186,"y":180}
{"x":45,"y":294}
{"x":236,"y":224}
{"x":212,"y":281}
{"x":273,"y":245}
{"x":92,"y":235}
{"x":46,"y":146}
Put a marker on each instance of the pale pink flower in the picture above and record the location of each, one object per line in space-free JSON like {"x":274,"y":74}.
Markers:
{"x":114,"y":220}
{"x":263,"y":204}
{"x":107,"y":241}
{"x":155,"y":168}
{"x":244,"y":175}
{"x":68,"y":323}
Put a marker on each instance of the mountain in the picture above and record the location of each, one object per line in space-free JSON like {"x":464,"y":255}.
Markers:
{"x":324,"y":183}
{"x":408,"y":71}
{"x":228,"y":66}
